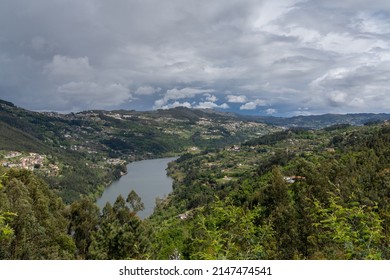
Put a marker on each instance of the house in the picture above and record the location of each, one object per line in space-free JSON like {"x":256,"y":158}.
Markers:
{"x":234,"y":148}
{"x":12,"y":154}
{"x":184,"y":216}
{"x":293,"y":179}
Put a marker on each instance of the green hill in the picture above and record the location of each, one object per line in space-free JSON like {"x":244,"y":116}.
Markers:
{"x":296,"y":194}
{"x":14,"y":139}
{"x":81,"y":143}
{"x":250,"y":191}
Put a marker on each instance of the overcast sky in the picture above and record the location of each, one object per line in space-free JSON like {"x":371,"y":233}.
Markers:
{"x":267,"y":57}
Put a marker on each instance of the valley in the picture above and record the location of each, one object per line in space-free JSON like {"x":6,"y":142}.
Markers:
{"x":242,"y":188}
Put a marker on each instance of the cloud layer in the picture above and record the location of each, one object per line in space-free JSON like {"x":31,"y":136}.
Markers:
{"x":282,"y":57}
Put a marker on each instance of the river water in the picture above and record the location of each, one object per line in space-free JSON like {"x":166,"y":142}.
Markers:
{"x":147,"y":178}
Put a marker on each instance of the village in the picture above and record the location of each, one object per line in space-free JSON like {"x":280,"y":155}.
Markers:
{"x":28,"y":161}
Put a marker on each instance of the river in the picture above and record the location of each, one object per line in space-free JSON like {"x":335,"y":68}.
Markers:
{"x":148,"y":178}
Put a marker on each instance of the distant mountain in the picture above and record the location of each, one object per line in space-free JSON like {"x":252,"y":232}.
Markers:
{"x":320,"y":121}
{"x":311,"y":121}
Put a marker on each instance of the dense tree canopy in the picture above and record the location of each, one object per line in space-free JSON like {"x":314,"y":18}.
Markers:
{"x":38,"y":228}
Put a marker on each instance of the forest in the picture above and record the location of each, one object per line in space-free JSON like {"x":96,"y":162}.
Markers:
{"x":294,"y":194}
{"x":325,"y":201}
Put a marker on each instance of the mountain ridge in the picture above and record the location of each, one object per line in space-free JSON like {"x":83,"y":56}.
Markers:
{"x":309,"y":121}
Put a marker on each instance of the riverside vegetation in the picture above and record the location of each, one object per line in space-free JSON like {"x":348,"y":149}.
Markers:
{"x":242,"y":189}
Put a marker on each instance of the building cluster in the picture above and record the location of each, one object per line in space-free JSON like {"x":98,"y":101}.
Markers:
{"x":31,"y":161}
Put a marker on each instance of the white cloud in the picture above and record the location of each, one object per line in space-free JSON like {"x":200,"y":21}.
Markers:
{"x":236,"y":98}
{"x":68,"y":68}
{"x":146,"y":90}
{"x":250,"y":87}
{"x":271,"y":111}
{"x":358,"y":102}
{"x":211,"y":98}
{"x":176,"y":104}
{"x":305,"y":111}
{"x":270,"y":11}
{"x":176,"y":94}
{"x":291,"y":53}
{"x":159,"y":104}
{"x":253,"y":104}
{"x":211,"y":105}
{"x":337,"y":98}
{"x":346,"y":43}
{"x":371,"y":23}
{"x":90,"y":94}
{"x":353,"y":88}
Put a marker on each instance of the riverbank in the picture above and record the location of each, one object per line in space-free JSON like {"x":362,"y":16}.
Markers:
{"x":101,"y":188}
{"x":148,"y":178}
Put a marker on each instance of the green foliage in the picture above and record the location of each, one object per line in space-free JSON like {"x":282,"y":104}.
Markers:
{"x":120,"y":234}
{"x":349,"y":231}
{"x":84,"y":218}
{"x":169,"y":236}
{"x":12,"y":138}
{"x":38,"y":226}
{"x":226,"y":231}
{"x":335,"y":207}
{"x":135,"y":202}
{"x":6,"y":232}
{"x":271,"y":139}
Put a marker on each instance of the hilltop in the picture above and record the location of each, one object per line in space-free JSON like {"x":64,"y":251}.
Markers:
{"x":321,"y":121}
{"x":91,"y":148}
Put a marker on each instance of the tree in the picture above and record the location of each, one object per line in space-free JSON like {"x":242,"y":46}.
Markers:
{"x":39,"y":226}
{"x":121,"y":233}
{"x":135,"y":202}
{"x":281,"y":214}
{"x":84,"y":218}
{"x":6,"y":232}
{"x":226,"y":231}
{"x":346,"y":230}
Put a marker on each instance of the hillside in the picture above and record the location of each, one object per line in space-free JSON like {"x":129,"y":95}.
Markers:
{"x":248,"y":191}
{"x":321,"y":121}
{"x":295,"y":194}
{"x":90,"y":148}
{"x":14,"y":139}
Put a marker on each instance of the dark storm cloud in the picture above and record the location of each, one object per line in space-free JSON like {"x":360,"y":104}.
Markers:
{"x":287,"y":57}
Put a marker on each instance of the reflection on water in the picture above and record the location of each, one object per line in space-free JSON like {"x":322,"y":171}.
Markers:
{"x":149,"y":180}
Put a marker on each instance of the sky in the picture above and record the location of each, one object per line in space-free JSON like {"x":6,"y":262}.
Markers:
{"x":263,"y":57}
